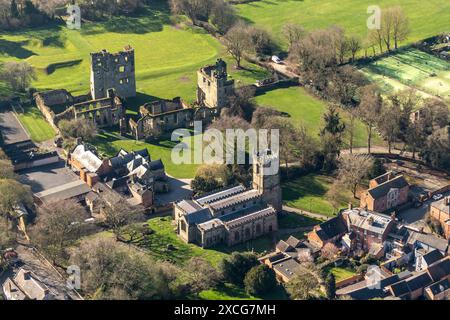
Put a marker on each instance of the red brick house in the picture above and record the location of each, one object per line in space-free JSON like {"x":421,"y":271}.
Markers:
{"x":385,"y":192}
{"x":330,"y":231}
{"x":440,"y":210}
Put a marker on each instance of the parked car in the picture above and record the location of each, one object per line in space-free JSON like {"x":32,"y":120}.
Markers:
{"x":437,"y":196}
{"x":276,"y":60}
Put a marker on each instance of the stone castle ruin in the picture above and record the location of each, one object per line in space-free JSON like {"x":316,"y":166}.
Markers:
{"x":164,"y":116}
{"x":113,"y":71}
{"x":213,"y":85}
{"x":113,"y":79}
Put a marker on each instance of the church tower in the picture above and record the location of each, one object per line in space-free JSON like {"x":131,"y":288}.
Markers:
{"x":266,"y":178}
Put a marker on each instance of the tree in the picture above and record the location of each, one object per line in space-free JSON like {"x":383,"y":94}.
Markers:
{"x":201,"y":274}
{"x":194,"y":9}
{"x":330,"y":286}
{"x":387,"y":22}
{"x":344,"y":84}
{"x":223,"y":16}
{"x":12,"y":195}
{"x":329,"y":251}
{"x":111,"y":271}
{"x":293,"y":33}
{"x":6,"y":170}
{"x":389,"y":122}
{"x":436,"y":151}
{"x":303,"y":286}
{"x":18,"y":75}
{"x":237,"y":42}
{"x":58,"y":225}
{"x":260,"y":41}
{"x":354,"y":44}
{"x":369,"y":110}
{"x":117,"y":215}
{"x":400,"y":25}
{"x":260,"y":280}
{"x":201,"y":185}
{"x":377,"y":169}
{"x":353,"y":169}
{"x":78,"y":128}
{"x":235,"y":267}
{"x":289,"y":143}
{"x":331,"y":137}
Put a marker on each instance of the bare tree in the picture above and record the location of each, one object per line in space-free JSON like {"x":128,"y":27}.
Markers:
{"x":389,"y":122}
{"x":293,"y":33}
{"x":237,"y":42}
{"x":201,"y":274}
{"x":57,"y":226}
{"x":7,"y":170}
{"x":353,"y":169}
{"x":400,"y":25}
{"x":369,"y":110}
{"x":329,"y":251}
{"x":117,"y":215}
{"x":354,"y":44}
{"x":18,"y":75}
{"x":78,"y":128}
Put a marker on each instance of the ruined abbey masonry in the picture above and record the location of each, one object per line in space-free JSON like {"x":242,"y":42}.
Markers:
{"x":113,"y":71}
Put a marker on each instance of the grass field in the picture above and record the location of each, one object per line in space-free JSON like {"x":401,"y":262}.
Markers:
{"x":109,"y":144}
{"x":167,"y":55}
{"x":309,"y":193}
{"x":411,"y":68}
{"x":36,"y":125}
{"x":341,"y":273}
{"x":307,"y":111}
{"x":427,"y":18}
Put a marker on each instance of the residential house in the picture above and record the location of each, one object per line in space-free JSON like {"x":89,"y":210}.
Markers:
{"x":385,"y":192}
{"x":26,"y":286}
{"x":330,"y":231}
{"x":440,"y":210}
{"x":369,"y":229}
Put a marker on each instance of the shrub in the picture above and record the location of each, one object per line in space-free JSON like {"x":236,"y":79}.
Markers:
{"x":260,"y":280}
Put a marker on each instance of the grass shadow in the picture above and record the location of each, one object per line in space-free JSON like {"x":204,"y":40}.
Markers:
{"x":15,"y":49}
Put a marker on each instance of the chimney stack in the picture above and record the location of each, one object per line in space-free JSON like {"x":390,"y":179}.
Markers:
{"x":447,"y":201}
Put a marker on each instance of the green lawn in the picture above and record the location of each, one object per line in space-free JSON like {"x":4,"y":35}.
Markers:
{"x":227,"y":292}
{"x":293,"y":220}
{"x":414,"y":68}
{"x":167,"y":55}
{"x":427,"y":18}
{"x":309,"y":193}
{"x":36,"y":125}
{"x":341,"y":273}
{"x":109,"y":144}
{"x":306,"y":110}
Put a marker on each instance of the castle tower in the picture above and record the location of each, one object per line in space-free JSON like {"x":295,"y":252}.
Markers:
{"x":113,"y":71}
{"x":266,"y":178}
{"x":213,"y":86}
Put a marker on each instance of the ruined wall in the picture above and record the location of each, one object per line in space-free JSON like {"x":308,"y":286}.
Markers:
{"x":113,"y":71}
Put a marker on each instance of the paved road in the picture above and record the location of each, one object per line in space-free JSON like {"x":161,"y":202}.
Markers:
{"x":11,"y":128}
{"x":306,"y":213}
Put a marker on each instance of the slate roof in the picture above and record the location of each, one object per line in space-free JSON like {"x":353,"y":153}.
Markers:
{"x":381,"y":190}
{"x":331,"y":228}
{"x":432,"y":256}
{"x":427,"y":239}
{"x":293,"y":242}
{"x":156,"y":165}
{"x":371,"y":221}
{"x":288,"y":268}
{"x":217,"y":195}
{"x":235,"y":199}
{"x":188,"y":206}
{"x":198,"y":217}
{"x":439,"y":286}
{"x":440,"y":269}
{"x":283,"y":246}
{"x":63,"y":192}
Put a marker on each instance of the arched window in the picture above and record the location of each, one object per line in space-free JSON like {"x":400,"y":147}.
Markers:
{"x":258,"y":229}
{"x":236,"y":236}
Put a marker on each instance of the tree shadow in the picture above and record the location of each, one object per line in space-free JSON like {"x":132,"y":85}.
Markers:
{"x":150,"y":19}
{"x":305,"y":186}
{"x":15,"y":49}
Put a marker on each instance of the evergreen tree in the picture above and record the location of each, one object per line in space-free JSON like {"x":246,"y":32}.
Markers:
{"x":260,"y":280}
{"x":330,"y":286}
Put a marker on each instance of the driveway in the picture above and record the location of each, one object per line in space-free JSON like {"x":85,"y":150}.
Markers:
{"x":415,"y":216}
{"x":180,"y":189}
{"x":11,"y":129}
